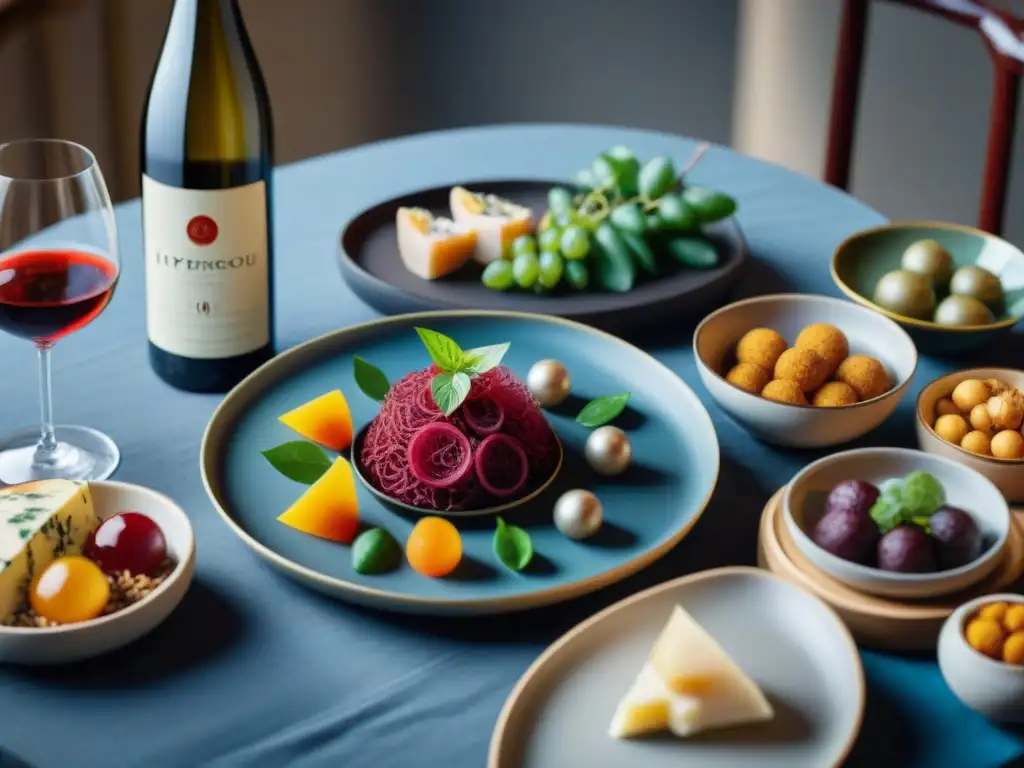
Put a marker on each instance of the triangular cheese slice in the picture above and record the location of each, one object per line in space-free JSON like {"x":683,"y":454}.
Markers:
{"x":325,"y":420}
{"x":688,"y":685}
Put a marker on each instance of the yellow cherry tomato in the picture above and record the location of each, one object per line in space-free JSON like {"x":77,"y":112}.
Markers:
{"x":434,"y":547}
{"x":69,"y":590}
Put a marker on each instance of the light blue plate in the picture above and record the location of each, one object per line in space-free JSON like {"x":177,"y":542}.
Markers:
{"x":648,"y":510}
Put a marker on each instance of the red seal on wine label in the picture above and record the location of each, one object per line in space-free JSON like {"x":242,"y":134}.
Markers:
{"x":202,"y":230}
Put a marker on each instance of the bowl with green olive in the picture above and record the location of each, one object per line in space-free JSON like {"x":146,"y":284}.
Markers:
{"x":953,"y":288}
{"x":976,"y":417}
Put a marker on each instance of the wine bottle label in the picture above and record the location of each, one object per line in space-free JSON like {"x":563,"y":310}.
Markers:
{"x":207,"y":277}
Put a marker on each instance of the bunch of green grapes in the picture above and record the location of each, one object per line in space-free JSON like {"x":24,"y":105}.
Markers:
{"x":558,"y":252}
{"x":622,"y":217}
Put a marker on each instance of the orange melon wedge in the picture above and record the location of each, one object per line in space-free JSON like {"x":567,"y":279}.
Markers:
{"x":325,"y":420}
{"x":328,"y":508}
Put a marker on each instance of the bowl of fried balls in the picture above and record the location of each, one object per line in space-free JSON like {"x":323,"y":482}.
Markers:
{"x":976,"y":417}
{"x":804,"y":371}
{"x":953,"y":288}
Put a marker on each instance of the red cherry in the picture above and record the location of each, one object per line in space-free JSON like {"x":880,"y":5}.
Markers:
{"x":128,"y":541}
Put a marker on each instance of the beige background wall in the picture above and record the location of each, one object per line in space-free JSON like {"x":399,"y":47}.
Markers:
{"x":753,"y":73}
{"x":923,"y":120}
{"x":343,"y":72}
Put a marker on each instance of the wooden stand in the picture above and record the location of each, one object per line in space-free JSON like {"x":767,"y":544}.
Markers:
{"x":879,"y":622}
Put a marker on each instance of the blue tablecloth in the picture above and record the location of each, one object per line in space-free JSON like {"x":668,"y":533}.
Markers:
{"x":254,"y":670}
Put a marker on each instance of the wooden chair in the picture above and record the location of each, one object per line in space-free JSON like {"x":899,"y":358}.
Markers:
{"x":1000,"y":32}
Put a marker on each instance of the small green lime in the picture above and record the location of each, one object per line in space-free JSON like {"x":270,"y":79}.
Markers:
{"x":375,"y":551}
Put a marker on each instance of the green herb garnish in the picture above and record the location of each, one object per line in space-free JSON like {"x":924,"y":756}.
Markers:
{"x":375,"y":551}
{"x":370,"y":379}
{"x":299,"y":460}
{"x":601,"y":410}
{"x":914,"y":499}
{"x":512,"y":546}
{"x":449,"y":390}
{"x":451,"y":386}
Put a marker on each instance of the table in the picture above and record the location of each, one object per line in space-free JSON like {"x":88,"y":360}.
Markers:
{"x":254,"y":670}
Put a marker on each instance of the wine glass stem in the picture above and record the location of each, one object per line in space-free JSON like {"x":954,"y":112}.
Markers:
{"x":47,"y":439}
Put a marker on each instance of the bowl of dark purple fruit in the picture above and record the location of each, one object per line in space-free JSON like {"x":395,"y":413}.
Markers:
{"x":897,"y":522}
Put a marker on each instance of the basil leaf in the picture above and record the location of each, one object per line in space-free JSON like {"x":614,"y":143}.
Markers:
{"x":601,"y":410}
{"x":482,"y":359}
{"x":371,"y":379}
{"x":512,"y":546}
{"x":299,"y":460}
{"x":375,"y":551}
{"x":443,"y":351}
{"x":449,"y":390}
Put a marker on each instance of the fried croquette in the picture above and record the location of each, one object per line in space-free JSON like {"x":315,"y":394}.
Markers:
{"x":866,"y":375}
{"x":749,"y":377}
{"x":828,"y":341}
{"x":761,"y":346}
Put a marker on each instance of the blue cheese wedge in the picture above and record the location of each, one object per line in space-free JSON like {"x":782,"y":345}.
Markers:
{"x":689,"y":684}
{"x":39,"y":522}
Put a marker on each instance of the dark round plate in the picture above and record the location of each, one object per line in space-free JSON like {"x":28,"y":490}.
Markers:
{"x":370,"y":264}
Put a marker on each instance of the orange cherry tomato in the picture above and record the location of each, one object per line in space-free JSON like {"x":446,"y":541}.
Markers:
{"x":434,"y":547}
{"x":69,"y":590}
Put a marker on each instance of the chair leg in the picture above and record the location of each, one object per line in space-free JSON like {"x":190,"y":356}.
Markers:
{"x":845,"y":87}
{"x":1002,"y":118}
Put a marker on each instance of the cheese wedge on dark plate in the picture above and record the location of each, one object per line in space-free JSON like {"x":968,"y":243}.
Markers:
{"x":497,"y":221}
{"x":432,"y":246}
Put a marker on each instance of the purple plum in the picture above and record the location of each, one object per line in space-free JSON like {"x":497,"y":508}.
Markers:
{"x":847,"y":533}
{"x":855,"y":495}
{"x":958,"y":540}
{"x":906,"y":549}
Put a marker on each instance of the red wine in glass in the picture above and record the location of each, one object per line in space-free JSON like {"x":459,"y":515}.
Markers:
{"x":58,"y":268}
{"x":47,"y":294}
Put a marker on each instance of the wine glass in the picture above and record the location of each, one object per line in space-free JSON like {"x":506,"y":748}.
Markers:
{"x":58,"y":269}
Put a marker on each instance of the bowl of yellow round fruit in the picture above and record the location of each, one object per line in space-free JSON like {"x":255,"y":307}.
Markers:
{"x":976,"y":417}
{"x":981,"y":655}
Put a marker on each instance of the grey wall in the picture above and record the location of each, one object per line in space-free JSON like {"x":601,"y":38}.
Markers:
{"x":663,"y":64}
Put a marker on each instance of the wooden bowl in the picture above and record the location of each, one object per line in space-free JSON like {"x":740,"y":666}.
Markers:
{"x":1007,"y":474}
{"x":866,"y":256}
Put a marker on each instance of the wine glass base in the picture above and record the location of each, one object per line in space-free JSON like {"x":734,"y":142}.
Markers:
{"x":82,"y":454}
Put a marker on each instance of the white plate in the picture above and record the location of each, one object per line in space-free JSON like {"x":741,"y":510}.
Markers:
{"x":74,"y":642}
{"x":793,"y":646}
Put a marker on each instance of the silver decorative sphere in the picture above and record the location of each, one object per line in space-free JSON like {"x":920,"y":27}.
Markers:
{"x":578,"y":514}
{"x":548,"y":382}
{"x":608,"y":450}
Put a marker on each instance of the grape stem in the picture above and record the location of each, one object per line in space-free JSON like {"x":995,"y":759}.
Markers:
{"x":603,"y":206}
{"x":692,"y":162}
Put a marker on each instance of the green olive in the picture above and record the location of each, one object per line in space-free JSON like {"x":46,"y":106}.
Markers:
{"x":906,"y":293}
{"x":929,"y":258}
{"x":978,"y":283}
{"x":962,"y":310}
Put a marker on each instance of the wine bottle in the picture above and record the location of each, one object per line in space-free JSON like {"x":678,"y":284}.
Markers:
{"x":206,"y":158}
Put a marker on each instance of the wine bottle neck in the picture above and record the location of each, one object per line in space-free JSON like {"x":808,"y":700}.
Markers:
{"x":196,"y":13}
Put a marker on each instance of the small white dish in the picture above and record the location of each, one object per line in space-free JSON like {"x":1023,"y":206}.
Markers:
{"x":75,"y":642}
{"x":990,"y":687}
{"x":1007,"y":474}
{"x":802,"y":426}
{"x":803,"y":504}
{"x":790,"y":643}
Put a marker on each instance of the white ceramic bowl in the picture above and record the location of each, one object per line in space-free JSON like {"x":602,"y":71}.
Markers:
{"x":1007,"y":474}
{"x":802,"y":426}
{"x":806,"y":494}
{"x":74,"y":642}
{"x":990,"y":687}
